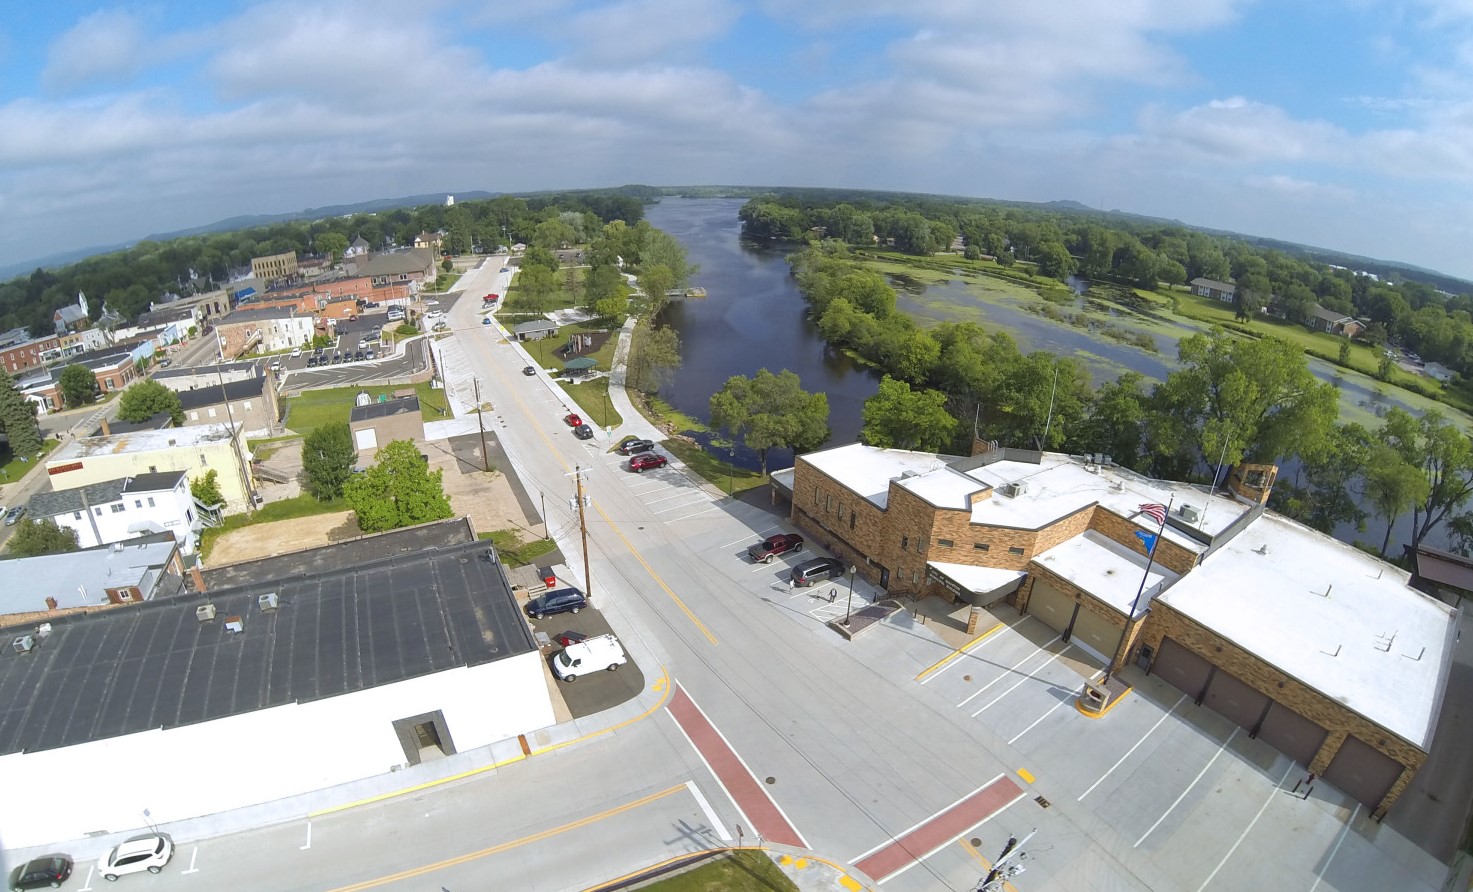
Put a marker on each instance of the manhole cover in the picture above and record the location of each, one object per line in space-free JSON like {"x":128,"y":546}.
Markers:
{"x":771,"y":779}
{"x":976,"y":842}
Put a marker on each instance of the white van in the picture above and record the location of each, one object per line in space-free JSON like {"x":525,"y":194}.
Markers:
{"x":589,"y":655}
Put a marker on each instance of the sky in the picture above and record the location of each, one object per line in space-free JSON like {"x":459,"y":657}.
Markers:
{"x":1346,"y":125}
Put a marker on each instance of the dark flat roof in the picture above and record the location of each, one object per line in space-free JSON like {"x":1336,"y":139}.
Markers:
{"x":214,"y":394}
{"x":384,"y":409}
{"x":156,"y":665}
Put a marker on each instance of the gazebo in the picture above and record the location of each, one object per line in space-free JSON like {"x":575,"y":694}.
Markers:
{"x":580,"y":367}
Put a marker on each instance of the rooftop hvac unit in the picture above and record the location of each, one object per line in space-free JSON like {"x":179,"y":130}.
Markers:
{"x":269,"y":601}
{"x":204,"y":612}
{"x":1190,"y":514}
{"x":1015,"y":489}
{"x":43,"y":630}
{"x":24,"y":644}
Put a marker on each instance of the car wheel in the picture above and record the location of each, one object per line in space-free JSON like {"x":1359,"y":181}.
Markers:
{"x":570,"y":678}
{"x":613,"y":667}
{"x":110,"y":877}
{"x":798,"y":547}
{"x":539,"y":616}
{"x":576,"y":609}
{"x":767,"y":560}
{"x":639,"y":470}
{"x":155,"y":869}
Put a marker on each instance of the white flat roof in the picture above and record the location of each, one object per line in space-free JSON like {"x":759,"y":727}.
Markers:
{"x":867,"y":470}
{"x":977,"y":579}
{"x":1106,"y":569}
{"x":1332,"y":616}
{"x":141,"y":441}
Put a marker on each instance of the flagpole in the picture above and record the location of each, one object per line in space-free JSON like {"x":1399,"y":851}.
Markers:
{"x":1150,"y":562}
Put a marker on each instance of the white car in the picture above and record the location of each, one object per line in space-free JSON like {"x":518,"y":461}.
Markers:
{"x":590,"y":655}
{"x":296,"y":353}
{"x":149,"y":852}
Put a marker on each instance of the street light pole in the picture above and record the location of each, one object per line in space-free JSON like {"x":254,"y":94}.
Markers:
{"x":849,"y":605}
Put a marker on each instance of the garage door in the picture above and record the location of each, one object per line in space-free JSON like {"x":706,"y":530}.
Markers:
{"x":1051,"y":605}
{"x":1292,"y":734}
{"x":1361,"y":772}
{"x":1234,"y":699}
{"x":1184,"y":669}
{"x":1096,"y":634}
{"x":366,"y":438}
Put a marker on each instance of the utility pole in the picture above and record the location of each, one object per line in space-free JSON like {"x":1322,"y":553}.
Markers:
{"x":481,"y":423}
{"x":1007,"y":866}
{"x":583,"y":529}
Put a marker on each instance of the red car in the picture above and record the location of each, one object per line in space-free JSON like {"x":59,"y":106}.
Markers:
{"x":646,"y":460}
{"x":573,"y":420}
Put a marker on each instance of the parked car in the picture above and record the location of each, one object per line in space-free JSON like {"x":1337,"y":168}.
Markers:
{"x":529,"y":370}
{"x":646,"y":461}
{"x":359,"y":356}
{"x":773,"y":546}
{"x":817,"y":570}
{"x":296,"y":353}
{"x":165,"y":363}
{"x":13,"y":516}
{"x":149,"y":852}
{"x":370,"y":354}
{"x":589,"y":655}
{"x":630,"y":447}
{"x":48,"y":871}
{"x":506,"y":269}
{"x":572,"y":420}
{"x":485,"y":320}
{"x":432,"y":303}
{"x":311,"y":362}
{"x":563,"y":600}
{"x":583,"y":432}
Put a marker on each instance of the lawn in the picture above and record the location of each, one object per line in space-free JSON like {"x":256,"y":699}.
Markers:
{"x":739,"y":871}
{"x":286,"y":509}
{"x":545,"y":350}
{"x":515,"y":301}
{"x":726,"y":477}
{"x":315,"y":408}
{"x":514,"y":551}
{"x":12,"y":468}
{"x":593,"y":398}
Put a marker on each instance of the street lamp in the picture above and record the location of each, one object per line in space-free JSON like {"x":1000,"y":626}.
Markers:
{"x":849,"y":606}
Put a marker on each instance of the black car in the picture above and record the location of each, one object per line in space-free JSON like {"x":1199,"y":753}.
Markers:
{"x":630,"y":447}
{"x":311,"y":362}
{"x":563,"y":600}
{"x":817,"y":570}
{"x":48,"y":871}
{"x":529,"y":370}
{"x":358,"y":356}
{"x":583,"y":432}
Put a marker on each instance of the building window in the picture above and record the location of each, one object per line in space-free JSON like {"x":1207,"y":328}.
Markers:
{"x":828,"y":503}
{"x":125,"y":595}
{"x":97,"y":511}
{"x":189,"y":515}
{"x":118,"y":507}
{"x":150,"y":502}
{"x":1016,"y":549}
{"x":981,"y":546}
{"x":246,"y":405}
{"x":904,"y":543}
{"x":137,"y":503}
{"x":76,"y":515}
{"x":202,"y":460}
{"x":840,"y":512}
{"x":194,"y":416}
{"x":212,"y":411}
{"x":153,"y":469}
{"x":851,"y":520}
{"x":945,"y":543}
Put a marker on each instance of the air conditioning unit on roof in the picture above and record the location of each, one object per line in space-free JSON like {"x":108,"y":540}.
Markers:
{"x":23,"y":644}
{"x":1015,"y":489}
{"x":1189,"y":514}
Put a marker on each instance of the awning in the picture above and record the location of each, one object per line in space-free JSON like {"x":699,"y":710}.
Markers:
{"x":581,"y":364}
{"x":962,"y":579}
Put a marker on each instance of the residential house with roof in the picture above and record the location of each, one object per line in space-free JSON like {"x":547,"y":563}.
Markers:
{"x":1308,"y":643}
{"x":113,"y":368}
{"x":376,"y":424}
{"x":1214,"y":289}
{"x":358,"y":247}
{"x":28,"y":354}
{"x":251,"y":405}
{"x":534,"y":330}
{"x":124,"y":508}
{"x":1333,"y":322}
{"x":72,"y":317}
{"x":267,"y":330}
{"x":51,"y":586}
{"x":382,"y":664}
{"x":195,"y":450}
{"x":410,"y":268}
{"x":182,"y":379}
{"x":428,"y":240}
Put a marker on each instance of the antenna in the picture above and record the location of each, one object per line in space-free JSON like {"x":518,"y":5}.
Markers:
{"x":1050,"y":422}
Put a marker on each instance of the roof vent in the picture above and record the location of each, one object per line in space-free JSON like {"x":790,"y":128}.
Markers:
{"x":1118,"y":486}
{"x":43,"y":630}
{"x":204,"y":612}
{"x":904,"y":474}
{"x":269,"y":601}
{"x":24,"y":644}
{"x":1015,"y":489}
{"x":234,"y":624}
{"x":1262,"y":549}
{"x":1189,"y":513}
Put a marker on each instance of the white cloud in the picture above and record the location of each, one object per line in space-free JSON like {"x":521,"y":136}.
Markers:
{"x":638,"y":32}
{"x":107,"y":45}
{"x":1239,"y":130}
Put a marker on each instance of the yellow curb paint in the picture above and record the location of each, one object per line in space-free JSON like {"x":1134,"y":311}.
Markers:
{"x":664,"y":685}
{"x":940,"y":664}
{"x":785,"y":859}
{"x":986,"y":865}
{"x":801,"y":864}
{"x":849,"y":882}
{"x":1090,"y":714}
{"x":1026,"y":775}
{"x":659,"y":684}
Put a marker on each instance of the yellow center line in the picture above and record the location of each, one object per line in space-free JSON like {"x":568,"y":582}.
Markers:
{"x":507,"y":846}
{"x":655,"y":576}
{"x":986,"y":865}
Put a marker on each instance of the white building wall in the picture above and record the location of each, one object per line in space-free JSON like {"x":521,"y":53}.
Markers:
{"x":172,"y":511}
{"x":285,"y":334}
{"x":258,"y":757}
{"x":223,"y":457}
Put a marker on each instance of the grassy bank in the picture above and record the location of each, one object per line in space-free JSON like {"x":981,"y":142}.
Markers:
{"x":286,"y":509}
{"x":741,"y":871}
{"x":315,"y":408}
{"x":593,"y":398}
{"x":514,"y":551}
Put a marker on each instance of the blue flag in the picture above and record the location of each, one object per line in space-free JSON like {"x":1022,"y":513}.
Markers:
{"x":1149,"y":539}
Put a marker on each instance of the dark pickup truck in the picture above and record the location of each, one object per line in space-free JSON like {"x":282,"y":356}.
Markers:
{"x":773,"y":546}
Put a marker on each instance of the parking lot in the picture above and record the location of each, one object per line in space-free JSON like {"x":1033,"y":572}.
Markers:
{"x":596,"y":691}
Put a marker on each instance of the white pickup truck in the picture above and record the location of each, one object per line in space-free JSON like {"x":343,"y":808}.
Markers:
{"x":589,"y":655}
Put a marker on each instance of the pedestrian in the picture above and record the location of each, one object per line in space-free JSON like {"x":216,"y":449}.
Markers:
{"x":833,"y":593}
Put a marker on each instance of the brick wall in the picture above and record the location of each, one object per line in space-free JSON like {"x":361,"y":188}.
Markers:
{"x":1117,"y":529}
{"x":1254,"y":672}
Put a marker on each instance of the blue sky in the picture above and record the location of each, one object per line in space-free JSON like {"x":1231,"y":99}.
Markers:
{"x":1346,"y":125}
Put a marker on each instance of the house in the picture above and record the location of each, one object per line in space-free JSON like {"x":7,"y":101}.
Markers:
{"x":72,"y":317}
{"x":314,"y":267}
{"x":249,"y":405}
{"x":1333,"y":322}
{"x":1214,"y":289}
{"x":113,"y":369}
{"x":1307,"y":643}
{"x":432,"y":657}
{"x":124,"y":508}
{"x":378,"y":424}
{"x":428,"y":240}
{"x":180,"y":380}
{"x":358,"y":248}
{"x":274,"y":266}
{"x":51,"y":586}
{"x":28,"y":354}
{"x":204,"y":308}
{"x":267,"y":330}
{"x":1437,"y":372}
{"x":408,"y":268}
{"x":194,"y":450}
{"x":534,"y":330}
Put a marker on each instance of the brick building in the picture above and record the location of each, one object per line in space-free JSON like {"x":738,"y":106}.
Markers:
{"x":274,"y":266}
{"x":266,"y":330}
{"x":29,"y":354}
{"x":1307,"y":643}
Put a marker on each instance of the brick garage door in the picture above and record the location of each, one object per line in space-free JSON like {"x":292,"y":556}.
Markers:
{"x":1051,"y":605}
{"x":1361,"y":771}
{"x":1292,"y":734}
{"x":1184,"y":669}
{"x":1234,"y":699}
{"x":1096,"y":633}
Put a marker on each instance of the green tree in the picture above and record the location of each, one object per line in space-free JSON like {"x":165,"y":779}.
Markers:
{"x":1323,"y":491}
{"x":447,"y":265}
{"x":1344,"y":356}
{"x":1385,"y":366}
{"x":769,"y":411}
{"x":1113,"y":423}
{"x":1054,"y":261}
{"x":18,"y":418}
{"x":327,"y":460}
{"x":554,"y":234}
{"x":1392,"y":485}
{"x":44,"y":536}
{"x":78,"y":386}
{"x":206,"y":489}
{"x":1445,"y":457}
{"x":145,"y":399}
{"x":536,"y":284}
{"x":399,"y":490}
{"x":656,"y":282}
{"x":333,"y":244}
{"x":655,"y":356}
{"x":897,"y":417}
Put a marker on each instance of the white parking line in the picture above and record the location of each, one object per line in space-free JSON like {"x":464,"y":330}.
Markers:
{"x":1036,"y":721}
{"x":710,"y":813}
{"x":1164,"y":716}
{"x":679,"y":495}
{"x":1319,"y":877}
{"x":983,"y":689}
{"x":1026,"y":678}
{"x":1184,"y":793}
{"x":689,"y":516}
{"x":748,"y":537}
{"x":677,"y":507}
{"x":1263,"y":808}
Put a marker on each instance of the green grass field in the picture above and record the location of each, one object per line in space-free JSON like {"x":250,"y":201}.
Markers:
{"x":726,"y":477}
{"x":318,"y":407}
{"x":545,"y":350}
{"x":740,"y":871}
{"x":593,"y":398}
{"x":514,"y":550}
{"x":515,"y":301}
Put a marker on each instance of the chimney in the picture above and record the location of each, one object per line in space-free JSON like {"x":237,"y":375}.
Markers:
{"x":50,"y":603}
{"x":106,"y":430}
{"x":197,"y":578}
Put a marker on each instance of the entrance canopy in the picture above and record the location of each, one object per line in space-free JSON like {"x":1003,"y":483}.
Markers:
{"x":975,"y":585}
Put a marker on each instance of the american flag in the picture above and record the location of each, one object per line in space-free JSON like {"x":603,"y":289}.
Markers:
{"x":1155,"y":512}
